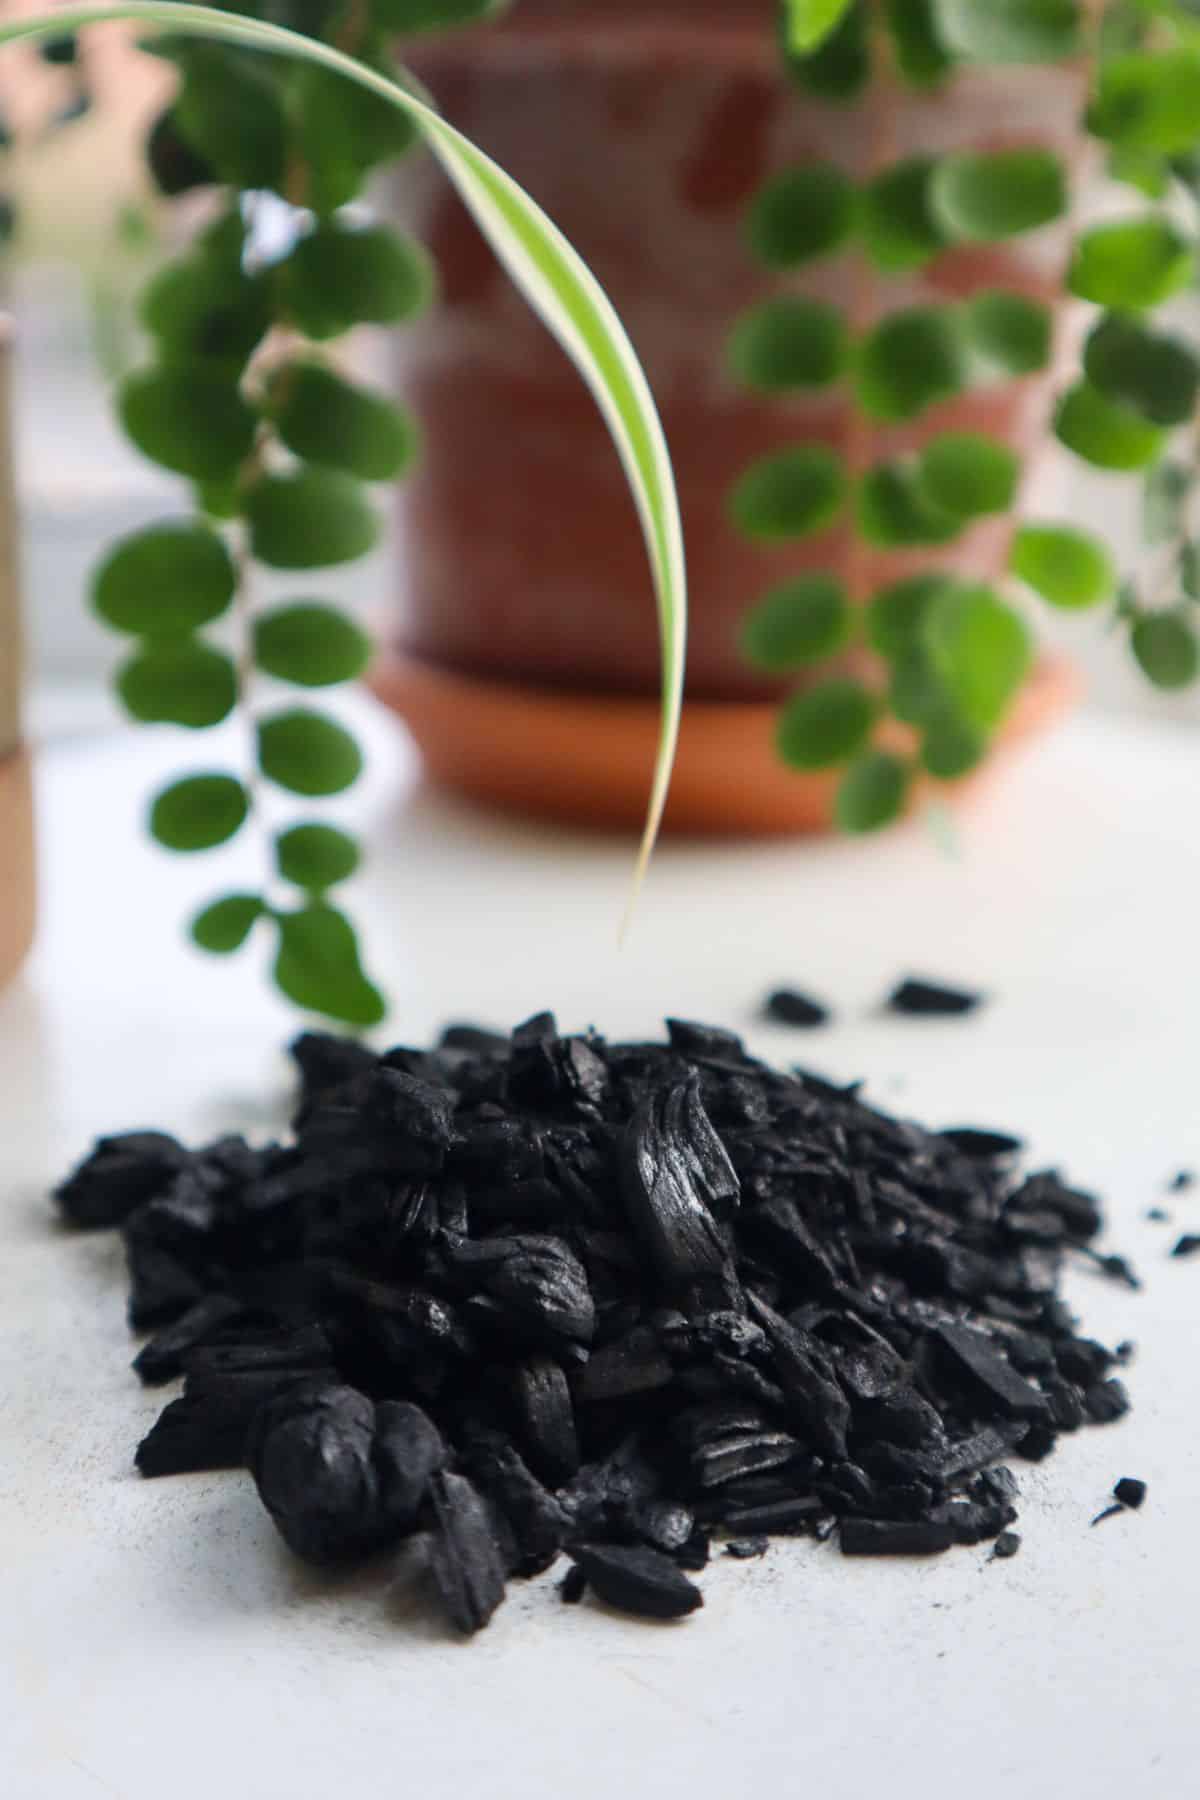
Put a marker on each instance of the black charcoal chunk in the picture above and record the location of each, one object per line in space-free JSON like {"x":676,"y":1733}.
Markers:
{"x":573,"y":1585}
{"x":814,"y":1401}
{"x":546,"y":1420}
{"x":162,"y":1359}
{"x":120,"y":1175}
{"x":208,"y":1426}
{"x":930,"y":999}
{"x":984,"y":1145}
{"x":1130,"y":1491}
{"x":674,"y":1169}
{"x":1008,"y":1394}
{"x":636,"y":1579}
{"x":787,"y":1006}
{"x":744,"y":1549}
{"x":1006,"y":1546}
{"x":894,"y":1537}
{"x":477,"y":1040}
{"x":1182,"y":1180}
{"x":538,"y":1521}
{"x":466,"y":1555}
{"x":1106,"y":1401}
{"x":325,"y":1061}
{"x":777,"y":1518}
{"x":1187,"y":1245}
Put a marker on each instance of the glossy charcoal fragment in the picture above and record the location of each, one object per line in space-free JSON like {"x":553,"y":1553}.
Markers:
{"x":515,"y":1297}
{"x":931,"y":1000}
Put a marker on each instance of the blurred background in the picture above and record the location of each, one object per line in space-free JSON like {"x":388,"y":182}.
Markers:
{"x":90,"y":230}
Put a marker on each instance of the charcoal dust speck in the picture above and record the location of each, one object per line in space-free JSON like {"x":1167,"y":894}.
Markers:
{"x":511,"y":1298}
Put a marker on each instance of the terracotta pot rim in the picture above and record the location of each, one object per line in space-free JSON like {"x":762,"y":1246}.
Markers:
{"x":585,"y":759}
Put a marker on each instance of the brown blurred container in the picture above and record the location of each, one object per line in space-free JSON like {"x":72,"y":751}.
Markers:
{"x":644,"y":127}
{"x":16,"y":803}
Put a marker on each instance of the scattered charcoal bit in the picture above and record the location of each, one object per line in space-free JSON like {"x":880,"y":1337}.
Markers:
{"x":744,"y":1549}
{"x":520,"y":1295}
{"x":1130,"y":1492}
{"x":466,"y":1556}
{"x":1182,"y":1180}
{"x":1006,"y":1545}
{"x":931,"y":999}
{"x":895,"y":1537}
{"x":1117,"y":1268}
{"x":1125,"y":1351}
{"x":1110,"y":1512}
{"x":573,"y":1585}
{"x":119,"y":1175}
{"x":1187,"y":1245}
{"x":636,"y":1579}
{"x":1157,"y":1216}
{"x":787,"y":1006}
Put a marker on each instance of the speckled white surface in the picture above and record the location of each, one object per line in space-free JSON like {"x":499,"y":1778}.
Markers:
{"x":155,"y":1641}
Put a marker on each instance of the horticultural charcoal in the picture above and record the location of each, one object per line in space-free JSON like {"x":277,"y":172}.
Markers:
{"x":520,"y":1296}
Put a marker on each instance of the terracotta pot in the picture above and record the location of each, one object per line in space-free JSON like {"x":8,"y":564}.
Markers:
{"x":16,"y":806}
{"x":645,"y":127}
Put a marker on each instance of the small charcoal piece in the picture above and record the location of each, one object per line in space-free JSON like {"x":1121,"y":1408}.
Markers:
{"x":1110,"y":1512}
{"x":1187,"y":1245}
{"x":636,"y":1579}
{"x":1006,"y":1545}
{"x":931,"y":1000}
{"x":1182,"y":1180}
{"x":515,"y":1297}
{"x":1130,"y":1492}
{"x":573,"y":1585}
{"x":787,"y":1006}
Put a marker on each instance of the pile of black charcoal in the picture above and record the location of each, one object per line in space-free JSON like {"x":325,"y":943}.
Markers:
{"x":542,"y":1294}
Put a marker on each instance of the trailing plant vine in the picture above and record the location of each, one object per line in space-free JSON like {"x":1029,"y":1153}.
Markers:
{"x":949,"y":657}
{"x":243,"y":399}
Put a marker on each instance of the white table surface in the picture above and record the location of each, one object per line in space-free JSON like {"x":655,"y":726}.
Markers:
{"x":155,"y":1639}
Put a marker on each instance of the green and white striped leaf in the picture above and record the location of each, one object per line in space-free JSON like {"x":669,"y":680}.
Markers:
{"x":552,"y":276}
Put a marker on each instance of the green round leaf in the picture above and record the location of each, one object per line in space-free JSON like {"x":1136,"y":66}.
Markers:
{"x":342,"y":131}
{"x":951,"y":747}
{"x":807,"y":23}
{"x":916,"y":693}
{"x":987,"y":196}
{"x":339,"y":277}
{"x":316,"y":856}
{"x":789,"y":343}
{"x":898,"y":226}
{"x":230,"y":113}
{"x":872,"y":792}
{"x":306,"y":753}
{"x":1165,"y":647}
{"x":1007,"y":334}
{"x":1065,"y":566}
{"x":310,"y":519}
{"x":1132,"y":264}
{"x":917,"y":41}
{"x":981,"y":652}
{"x":1105,"y":434}
{"x":896,"y":615}
{"x":965,"y":473}
{"x":803,"y":214}
{"x":1010,"y":31}
{"x":911,"y":361}
{"x":224,"y":926}
{"x":798,"y":623}
{"x":178,"y":682}
{"x":791,"y":494}
{"x":199,"y":812}
{"x":188,"y":417}
{"x":1156,"y":376}
{"x":825,"y":725}
{"x":329,"y":421}
{"x":894,"y":510}
{"x":318,"y":966}
{"x":1148,"y":100}
{"x":205,"y":306}
{"x":840,"y":67}
{"x":165,"y":581}
{"x":310,"y":644}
